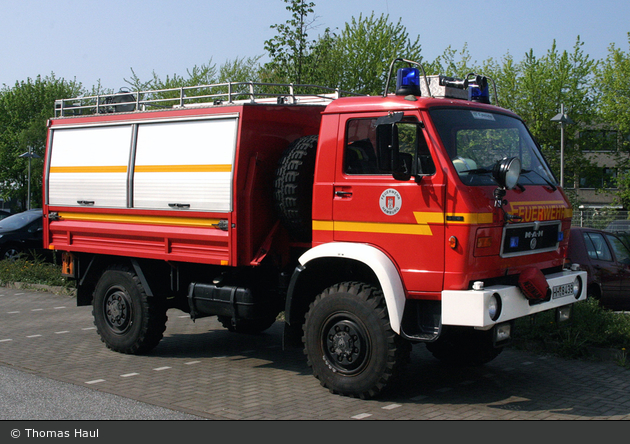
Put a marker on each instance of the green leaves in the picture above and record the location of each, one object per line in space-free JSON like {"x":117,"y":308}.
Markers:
{"x":24,"y":112}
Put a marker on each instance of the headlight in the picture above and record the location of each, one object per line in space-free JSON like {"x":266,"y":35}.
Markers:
{"x":577,"y":287}
{"x":506,"y":172}
{"x":494,"y":306}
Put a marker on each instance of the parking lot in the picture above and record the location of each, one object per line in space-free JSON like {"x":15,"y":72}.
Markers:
{"x":202,"y":369}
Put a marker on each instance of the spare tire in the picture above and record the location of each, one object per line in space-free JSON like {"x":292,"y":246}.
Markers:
{"x":293,"y":187}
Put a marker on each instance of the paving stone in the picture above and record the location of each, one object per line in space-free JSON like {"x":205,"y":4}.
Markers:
{"x":203,"y":369}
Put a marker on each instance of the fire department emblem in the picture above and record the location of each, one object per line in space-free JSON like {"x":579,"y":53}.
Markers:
{"x":390,"y":201}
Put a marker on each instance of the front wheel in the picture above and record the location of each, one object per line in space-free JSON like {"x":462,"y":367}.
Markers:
{"x":126,"y":319}
{"x":349,"y":342}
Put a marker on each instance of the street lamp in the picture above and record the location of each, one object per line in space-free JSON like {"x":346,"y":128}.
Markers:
{"x":564,"y":119}
{"x":29,"y":155}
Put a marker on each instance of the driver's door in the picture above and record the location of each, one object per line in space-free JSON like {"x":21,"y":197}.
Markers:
{"x":402,"y":218}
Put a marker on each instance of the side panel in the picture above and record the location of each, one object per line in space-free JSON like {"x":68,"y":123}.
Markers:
{"x":89,"y":166}
{"x":185,"y":165}
{"x":159,"y":189}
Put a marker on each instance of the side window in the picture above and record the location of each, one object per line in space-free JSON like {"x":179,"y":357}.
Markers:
{"x":621,"y":252}
{"x":597,"y":247}
{"x":360,"y":156}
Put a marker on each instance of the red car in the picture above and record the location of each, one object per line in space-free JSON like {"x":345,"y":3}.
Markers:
{"x":607,"y":261}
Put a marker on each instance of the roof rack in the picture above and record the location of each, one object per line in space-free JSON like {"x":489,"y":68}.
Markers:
{"x":198,"y":96}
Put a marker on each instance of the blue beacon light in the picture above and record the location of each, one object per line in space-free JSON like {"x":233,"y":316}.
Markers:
{"x":478,"y":91}
{"x":408,"y":82}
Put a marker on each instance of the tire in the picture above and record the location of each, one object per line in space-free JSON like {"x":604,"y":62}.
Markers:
{"x":11,"y":253}
{"x":293,"y":187}
{"x":349,"y":343}
{"x":464,"y":346}
{"x":126,"y":319}
{"x":247,"y":326}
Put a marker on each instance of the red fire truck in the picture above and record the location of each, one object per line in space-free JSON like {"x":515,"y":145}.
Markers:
{"x":425,"y":215}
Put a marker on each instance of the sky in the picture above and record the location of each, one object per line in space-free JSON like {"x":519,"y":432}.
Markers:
{"x":104,"y":40}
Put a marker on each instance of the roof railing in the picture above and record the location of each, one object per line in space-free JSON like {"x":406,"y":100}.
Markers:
{"x":198,"y":96}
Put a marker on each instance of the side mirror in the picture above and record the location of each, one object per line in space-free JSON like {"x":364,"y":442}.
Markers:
{"x":404,"y":169}
{"x":389,"y":158}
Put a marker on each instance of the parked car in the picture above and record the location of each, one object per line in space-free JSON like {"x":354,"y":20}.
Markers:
{"x":606,"y":259}
{"x":4,"y":214}
{"x":20,"y":234}
{"x":621,"y":228}
{"x":619,"y":225}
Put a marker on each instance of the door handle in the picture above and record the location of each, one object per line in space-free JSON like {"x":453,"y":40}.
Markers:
{"x":343,"y":193}
{"x":179,"y":205}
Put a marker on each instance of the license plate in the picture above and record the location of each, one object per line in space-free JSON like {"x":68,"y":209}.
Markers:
{"x":560,"y":291}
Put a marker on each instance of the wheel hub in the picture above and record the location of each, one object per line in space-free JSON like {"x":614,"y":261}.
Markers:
{"x":117,"y":310}
{"x":345,"y":346}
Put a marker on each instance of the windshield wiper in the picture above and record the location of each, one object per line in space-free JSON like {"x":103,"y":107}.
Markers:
{"x":553,"y":187}
{"x":476,"y":171}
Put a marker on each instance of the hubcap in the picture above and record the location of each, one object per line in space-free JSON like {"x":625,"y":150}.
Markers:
{"x":118,"y":311}
{"x":346,"y":345}
{"x":12,"y":254}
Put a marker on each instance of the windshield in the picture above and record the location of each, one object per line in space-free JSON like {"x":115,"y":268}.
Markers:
{"x":477,"y":140}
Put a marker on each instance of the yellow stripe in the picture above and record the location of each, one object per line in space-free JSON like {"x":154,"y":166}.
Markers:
{"x":183,"y":168}
{"x":152,"y":220}
{"x":144,"y":169}
{"x":422,"y":227}
{"x":89,"y":169}
{"x":371,"y":227}
{"x":470,"y":218}
{"x":424,"y":218}
{"x":323,"y":225}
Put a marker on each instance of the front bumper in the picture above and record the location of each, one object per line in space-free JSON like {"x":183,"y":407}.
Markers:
{"x":471,"y":307}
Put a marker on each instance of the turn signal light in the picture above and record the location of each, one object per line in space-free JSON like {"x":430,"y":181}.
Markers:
{"x":452,"y":242}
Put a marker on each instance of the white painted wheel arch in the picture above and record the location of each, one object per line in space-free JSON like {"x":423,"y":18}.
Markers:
{"x":382,"y":266}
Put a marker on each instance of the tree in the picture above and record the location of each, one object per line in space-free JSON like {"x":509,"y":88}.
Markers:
{"x":358,"y":59}
{"x":535,"y":89}
{"x":290,"y":50}
{"x":614,"y":106}
{"x":242,"y":70}
{"x":24,"y":112}
{"x":453,"y":63}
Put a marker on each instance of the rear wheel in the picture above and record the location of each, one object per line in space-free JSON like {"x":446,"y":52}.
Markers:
{"x":349,"y":342}
{"x":126,"y":318}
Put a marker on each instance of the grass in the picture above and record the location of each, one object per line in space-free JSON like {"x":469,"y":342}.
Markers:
{"x":33,"y":271}
{"x":590,"y":324}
